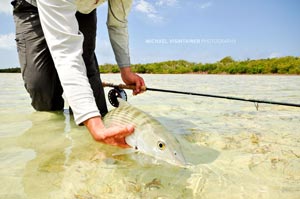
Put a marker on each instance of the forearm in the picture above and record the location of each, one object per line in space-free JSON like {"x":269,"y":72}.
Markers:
{"x":119,"y":41}
{"x":118,"y":32}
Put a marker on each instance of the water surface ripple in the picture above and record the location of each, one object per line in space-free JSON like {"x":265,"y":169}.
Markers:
{"x":241,"y":152}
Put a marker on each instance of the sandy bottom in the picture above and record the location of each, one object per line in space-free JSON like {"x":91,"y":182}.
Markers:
{"x":235,"y":150}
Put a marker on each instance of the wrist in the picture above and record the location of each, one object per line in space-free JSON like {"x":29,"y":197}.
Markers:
{"x":125,"y":70}
{"x":95,"y":124}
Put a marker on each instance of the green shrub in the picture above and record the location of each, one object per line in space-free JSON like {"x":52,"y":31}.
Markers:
{"x":282,"y":65}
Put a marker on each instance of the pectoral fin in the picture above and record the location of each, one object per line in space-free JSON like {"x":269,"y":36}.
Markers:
{"x":125,"y":152}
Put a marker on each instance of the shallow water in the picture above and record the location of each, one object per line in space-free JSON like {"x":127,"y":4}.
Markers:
{"x":241,"y":152}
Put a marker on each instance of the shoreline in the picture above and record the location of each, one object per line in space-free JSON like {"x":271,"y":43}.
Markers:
{"x":288,"y":65}
{"x":195,"y":73}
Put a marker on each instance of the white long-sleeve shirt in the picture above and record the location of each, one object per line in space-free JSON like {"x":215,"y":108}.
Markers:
{"x":65,"y":41}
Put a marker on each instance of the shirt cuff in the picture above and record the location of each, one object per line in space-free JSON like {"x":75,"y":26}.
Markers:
{"x":79,"y":119}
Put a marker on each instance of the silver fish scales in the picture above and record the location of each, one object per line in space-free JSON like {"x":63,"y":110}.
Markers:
{"x":150,"y":136}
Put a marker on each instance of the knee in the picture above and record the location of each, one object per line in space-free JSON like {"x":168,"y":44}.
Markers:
{"x":40,"y":97}
{"x":43,"y":98}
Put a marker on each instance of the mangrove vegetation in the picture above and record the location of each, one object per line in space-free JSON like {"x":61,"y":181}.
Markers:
{"x":227,"y":65}
{"x":10,"y":70}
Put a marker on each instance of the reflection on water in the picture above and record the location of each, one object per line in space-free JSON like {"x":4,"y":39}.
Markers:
{"x":237,"y":152}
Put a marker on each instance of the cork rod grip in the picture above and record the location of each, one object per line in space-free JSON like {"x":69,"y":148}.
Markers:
{"x":122,"y":86}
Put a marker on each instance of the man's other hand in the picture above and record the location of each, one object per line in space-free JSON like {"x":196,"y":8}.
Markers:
{"x":130,"y":78}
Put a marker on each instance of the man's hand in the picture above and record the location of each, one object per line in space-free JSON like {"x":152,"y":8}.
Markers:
{"x":112,"y":136}
{"x":130,"y":78}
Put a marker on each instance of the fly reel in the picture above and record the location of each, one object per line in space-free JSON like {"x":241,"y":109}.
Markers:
{"x":113,"y":95}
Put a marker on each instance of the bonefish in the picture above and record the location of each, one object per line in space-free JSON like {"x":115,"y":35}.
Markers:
{"x":150,"y":136}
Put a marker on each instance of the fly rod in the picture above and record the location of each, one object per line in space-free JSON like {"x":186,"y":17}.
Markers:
{"x":257,"y":101}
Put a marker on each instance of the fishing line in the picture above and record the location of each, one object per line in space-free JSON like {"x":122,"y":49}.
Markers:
{"x":121,"y":92}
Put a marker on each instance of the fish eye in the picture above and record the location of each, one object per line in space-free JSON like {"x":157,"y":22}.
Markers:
{"x":175,"y":153}
{"x":161,"y":145}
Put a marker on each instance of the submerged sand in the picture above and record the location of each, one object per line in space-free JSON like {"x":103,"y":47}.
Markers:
{"x":236,"y":151}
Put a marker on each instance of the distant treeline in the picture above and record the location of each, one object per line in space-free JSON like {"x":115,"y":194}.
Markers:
{"x":10,"y":70}
{"x":227,"y":65}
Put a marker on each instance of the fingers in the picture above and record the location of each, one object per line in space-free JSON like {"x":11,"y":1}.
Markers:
{"x":119,"y":131}
{"x":137,"y":89}
{"x":116,"y":135}
{"x":139,"y":83}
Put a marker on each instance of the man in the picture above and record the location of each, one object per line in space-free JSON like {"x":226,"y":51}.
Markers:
{"x":56,"y":51}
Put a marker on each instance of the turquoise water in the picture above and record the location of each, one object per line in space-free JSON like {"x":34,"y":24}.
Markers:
{"x":240,"y":152}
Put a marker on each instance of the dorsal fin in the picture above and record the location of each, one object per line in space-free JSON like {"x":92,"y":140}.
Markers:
{"x":122,"y":103}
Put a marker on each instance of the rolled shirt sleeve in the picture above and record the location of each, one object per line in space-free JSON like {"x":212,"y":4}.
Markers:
{"x":65,"y":44}
{"x":117,"y":29}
